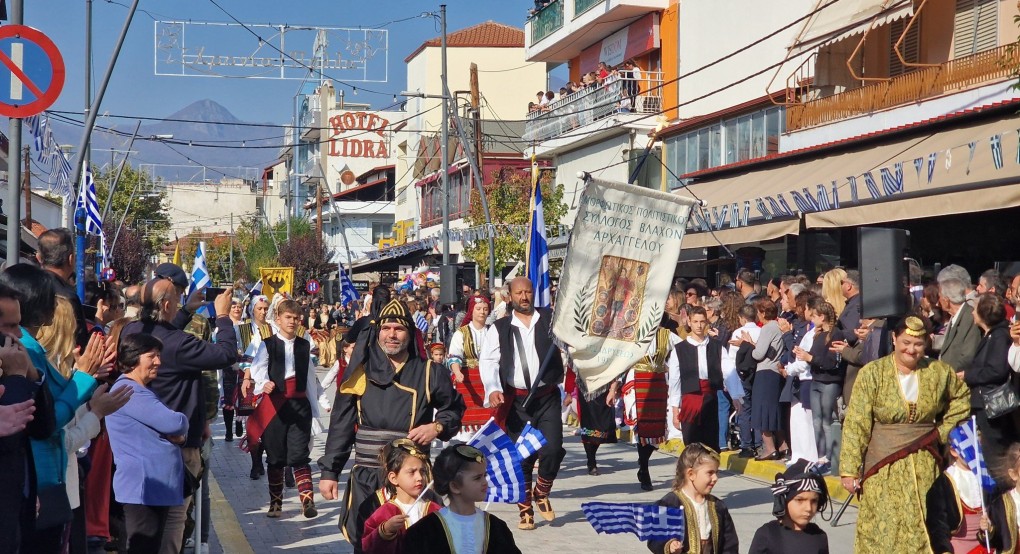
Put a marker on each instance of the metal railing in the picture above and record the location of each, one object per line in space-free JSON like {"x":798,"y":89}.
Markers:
{"x":581,"y":6}
{"x":615,"y":95}
{"x":962,"y":73}
{"x":547,"y":21}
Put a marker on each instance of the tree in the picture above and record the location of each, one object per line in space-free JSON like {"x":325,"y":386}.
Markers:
{"x":258,"y":243}
{"x":131,"y":253}
{"x":150,"y":210}
{"x":509,"y":196}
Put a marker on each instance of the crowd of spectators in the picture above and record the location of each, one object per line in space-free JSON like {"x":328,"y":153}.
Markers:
{"x":627,"y":71}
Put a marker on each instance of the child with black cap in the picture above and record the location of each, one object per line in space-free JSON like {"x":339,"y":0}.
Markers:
{"x":799,"y":495}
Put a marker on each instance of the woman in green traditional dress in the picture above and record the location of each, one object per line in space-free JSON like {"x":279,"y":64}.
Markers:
{"x":894,"y":430}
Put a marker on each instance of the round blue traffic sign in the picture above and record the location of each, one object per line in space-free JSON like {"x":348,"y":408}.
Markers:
{"x":31,"y":71}
{"x":312,"y":287}
{"x":108,"y":274}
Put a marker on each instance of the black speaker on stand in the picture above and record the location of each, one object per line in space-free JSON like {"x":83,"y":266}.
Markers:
{"x":882,"y":256}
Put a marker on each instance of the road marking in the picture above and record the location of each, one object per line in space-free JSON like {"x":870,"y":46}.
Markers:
{"x":228,"y":529}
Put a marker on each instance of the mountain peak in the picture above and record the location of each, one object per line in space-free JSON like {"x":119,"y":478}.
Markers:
{"x":205,"y":110}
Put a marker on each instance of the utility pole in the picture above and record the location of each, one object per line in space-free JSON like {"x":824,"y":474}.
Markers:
{"x":88,"y":72}
{"x":113,"y":184}
{"x":27,"y":185}
{"x":13,"y":208}
{"x":447,"y":273}
{"x":476,"y":108}
{"x":231,"y":267}
{"x":318,"y":212}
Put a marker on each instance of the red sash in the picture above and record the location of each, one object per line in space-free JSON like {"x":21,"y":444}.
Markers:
{"x":692,"y":402}
{"x":266,"y":411}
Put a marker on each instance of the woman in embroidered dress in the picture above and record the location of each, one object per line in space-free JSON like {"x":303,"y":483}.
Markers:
{"x":894,"y":429}
{"x":465,"y":344}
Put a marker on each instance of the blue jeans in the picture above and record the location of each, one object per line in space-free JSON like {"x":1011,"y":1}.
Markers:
{"x":823,"y":406}
{"x":724,"y":420}
{"x":748,"y":438}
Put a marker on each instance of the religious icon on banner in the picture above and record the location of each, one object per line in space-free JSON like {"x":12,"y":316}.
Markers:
{"x":277,"y":279}
{"x":618,"y":297}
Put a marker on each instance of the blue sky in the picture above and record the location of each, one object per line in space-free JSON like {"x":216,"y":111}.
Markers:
{"x":134,"y":90}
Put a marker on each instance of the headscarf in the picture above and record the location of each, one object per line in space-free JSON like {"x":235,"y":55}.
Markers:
{"x":799,"y":477}
{"x":367,"y":352}
{"x":472,"y":302}
{"x":249,"y":310}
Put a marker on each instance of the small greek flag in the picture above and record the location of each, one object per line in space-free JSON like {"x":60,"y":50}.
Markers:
{"x":964,"y":440}
{"x":504,"y":457}
{"x":647,"y":521}
{"x":199,"y":273}
{"x":348,"y":293}
{"x":538,"y":249}
{"x":87,"y":201}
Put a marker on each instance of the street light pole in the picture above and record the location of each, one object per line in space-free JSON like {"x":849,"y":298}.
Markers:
{"x":13,"y":207}
{"x":447,"y":273}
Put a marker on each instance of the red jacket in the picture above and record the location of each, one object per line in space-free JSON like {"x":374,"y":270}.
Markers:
{"x":373,"y":543}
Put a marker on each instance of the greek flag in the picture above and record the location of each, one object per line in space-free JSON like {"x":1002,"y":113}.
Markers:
{"x":87,"y":201}
{"x":964,"y":440}
{"x":504,"y":457}
{"x":348,"y":293}
{"x":647,"y":521}
{"x":538,"y":252}
{"x":199,"y":273}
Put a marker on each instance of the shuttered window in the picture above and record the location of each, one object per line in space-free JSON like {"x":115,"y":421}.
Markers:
{"x":975,"y":26}
{"x":910,"y":47}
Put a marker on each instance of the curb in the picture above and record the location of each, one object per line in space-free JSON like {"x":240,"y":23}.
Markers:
{"x":224,"y":520}
{"x":761,"y":470}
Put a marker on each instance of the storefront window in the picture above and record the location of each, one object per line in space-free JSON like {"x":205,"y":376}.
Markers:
{"x":737,"y":139}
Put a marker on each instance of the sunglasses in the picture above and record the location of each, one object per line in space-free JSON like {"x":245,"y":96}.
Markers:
{"x":692,"y":294}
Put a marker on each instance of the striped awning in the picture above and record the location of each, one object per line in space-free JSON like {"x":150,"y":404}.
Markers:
{"x":845,"y":18}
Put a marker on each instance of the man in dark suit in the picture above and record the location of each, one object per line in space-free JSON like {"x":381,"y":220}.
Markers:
{"x":184,"y":357}
{"x":521,"y":370}
{"x":963,"y":336}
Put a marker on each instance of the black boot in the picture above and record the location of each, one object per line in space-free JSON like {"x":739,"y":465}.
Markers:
{"x":289,"y":478}
{"x":644,"y":454}
{"x":228,"y":421}
{"x":257,"y":469}
{"x":589,"y":451}
{"x":238,"y":428}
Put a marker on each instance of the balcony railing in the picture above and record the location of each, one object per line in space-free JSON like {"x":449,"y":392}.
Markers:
{"x":581,"y":6}
{"x":927,"y":82}
{"x":547,"y":21}
{"x":577,"y":109}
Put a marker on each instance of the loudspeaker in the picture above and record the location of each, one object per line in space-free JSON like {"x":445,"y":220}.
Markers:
{"x":448,"y":284}
{"x":884,"y":286}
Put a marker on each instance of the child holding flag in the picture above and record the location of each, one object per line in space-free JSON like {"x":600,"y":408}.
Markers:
{"x":459,"y":474}
{"x":709,"y":525}
{"x":956,"y":518}
{"x":407,"y":474}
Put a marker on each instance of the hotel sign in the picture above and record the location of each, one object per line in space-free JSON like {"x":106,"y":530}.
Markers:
{"x":359,"y":135}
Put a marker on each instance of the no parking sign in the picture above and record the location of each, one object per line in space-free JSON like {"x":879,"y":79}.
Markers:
{"x":31,"y":71}
{"x":312,"y":287}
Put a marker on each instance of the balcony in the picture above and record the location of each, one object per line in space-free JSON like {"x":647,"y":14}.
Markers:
{"x":582,"y":108}
{"x":547,"y":21}
{"x":563,"y":28}
{"x":956,"y":75}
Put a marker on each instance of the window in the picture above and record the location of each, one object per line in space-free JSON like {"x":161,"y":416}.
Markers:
{"x":910,"y":47}
{"x":745,"y":137}
{"x":381,"y":230}
{"x":975,"y":26}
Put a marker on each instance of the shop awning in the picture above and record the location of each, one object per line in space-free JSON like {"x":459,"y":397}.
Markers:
{"x":845,"y":18}
{"x":973,"y":167}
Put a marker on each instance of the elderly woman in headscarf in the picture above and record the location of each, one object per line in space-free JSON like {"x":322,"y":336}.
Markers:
{"x":388,"y":391}
{"x":798,"y":494}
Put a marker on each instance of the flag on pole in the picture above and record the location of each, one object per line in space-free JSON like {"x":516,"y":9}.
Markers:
{"x":964,"y":440}
{"x":647,"y":521}
{"x":199,"y":273}
{"x":348,"y":293}
{"x":538,"y":246}
{"x":504,"y":459}
{"x":87,"y":201}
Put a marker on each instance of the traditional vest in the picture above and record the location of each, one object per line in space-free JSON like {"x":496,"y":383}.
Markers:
{"x":551,"y":362}
{"x":244,"y":329}
{"x":656,"y":363}
{"x":470,"y":348}
{"x":687,"y":361}
{"x":276,"y":348}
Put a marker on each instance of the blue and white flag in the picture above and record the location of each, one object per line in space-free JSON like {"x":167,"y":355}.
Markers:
{"x":538,"y":251}
{"x":647,"y":521}
{"x":348,"y":293}
{"x":199,"y":273}
{"x":504,"y":470}
{"x":964,"y":440}
{"x":88,"y":201}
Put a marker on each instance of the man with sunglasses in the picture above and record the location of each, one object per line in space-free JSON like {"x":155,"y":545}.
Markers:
{"x":388,"y":391}
{"x":521,"y":369}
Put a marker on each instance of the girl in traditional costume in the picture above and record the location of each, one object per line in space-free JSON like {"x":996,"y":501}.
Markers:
{"x":465,"y":345}
{"x":799,"y":494}
{"x":598,"y":420}
{"x":709,"y":525}
{"x":904,"y":408}
{"x":459,"y":474}
{"x":407,"y":475}
{"x":646,"y":400}
{"x":956,"y":519}
{"x":1004,"y":511}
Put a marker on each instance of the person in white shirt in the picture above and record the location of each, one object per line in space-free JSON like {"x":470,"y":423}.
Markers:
{"x":282,"y":369}
{"x":465,"y":345}
{"x":697,"y":366}
{"x":743,"y":366}
{"x":522,"y":369}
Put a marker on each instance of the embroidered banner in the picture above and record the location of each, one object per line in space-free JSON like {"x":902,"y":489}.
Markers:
{"x":620,"y":263}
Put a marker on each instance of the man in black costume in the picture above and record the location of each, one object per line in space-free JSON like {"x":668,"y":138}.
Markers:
{"x":521,"y":369}
{"x":388,"y":391}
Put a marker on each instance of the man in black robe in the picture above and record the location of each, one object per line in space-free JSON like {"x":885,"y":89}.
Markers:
{"x":389,"y":391}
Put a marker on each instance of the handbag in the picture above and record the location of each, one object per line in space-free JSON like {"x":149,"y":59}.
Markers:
{"x":1001,"y":399}
{"x":54,"y":507}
